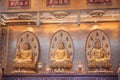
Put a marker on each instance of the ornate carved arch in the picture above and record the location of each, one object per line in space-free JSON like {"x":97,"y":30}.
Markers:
{"x":34,"y":43}
{"x":61,"y":36}
{"x":92,"y":37}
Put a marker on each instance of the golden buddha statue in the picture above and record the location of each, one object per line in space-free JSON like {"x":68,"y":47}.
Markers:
{"x":24,"y":59}
{"x":61,"y":53}
{"x":25,"y":55}
{"x":98,"y":58}
{"x":60,"y":60}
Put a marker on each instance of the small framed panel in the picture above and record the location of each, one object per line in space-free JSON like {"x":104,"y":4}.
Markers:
{"x":19,"y":4}
{"x":57,"y":3}
{"x":99,"y":1}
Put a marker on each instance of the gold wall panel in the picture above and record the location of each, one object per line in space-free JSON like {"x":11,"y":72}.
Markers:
{"x":79,"y":34}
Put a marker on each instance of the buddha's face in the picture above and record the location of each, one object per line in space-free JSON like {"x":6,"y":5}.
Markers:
{"x":61,"y":45}
{"x":98,"y":45}
{"x":26,"y":46}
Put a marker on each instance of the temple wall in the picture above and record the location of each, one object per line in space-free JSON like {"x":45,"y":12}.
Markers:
{"x":44,"y":33}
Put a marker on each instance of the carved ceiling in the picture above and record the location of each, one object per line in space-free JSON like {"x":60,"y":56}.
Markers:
{"x":70,"y":16}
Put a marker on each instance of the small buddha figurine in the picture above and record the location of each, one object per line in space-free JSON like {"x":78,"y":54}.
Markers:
{"x":98,"y":57}
{"x":39,"y":67}
{"x":24,"y":58}
{"x":60,"y":59}
{"x":80,"y":67}
{"x":25,"y":55}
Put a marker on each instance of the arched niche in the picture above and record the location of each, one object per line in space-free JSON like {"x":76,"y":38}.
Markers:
{"x":94,"y":37}
{"x":61,"y":64}
{"x":61,"y":36}
{"x":32,"y":40}
{"x":97,"y":34}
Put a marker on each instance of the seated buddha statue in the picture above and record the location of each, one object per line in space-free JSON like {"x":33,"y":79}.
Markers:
{"x":60,"y":60}
{"x":98,"y":57}
{"x":24,"y":58}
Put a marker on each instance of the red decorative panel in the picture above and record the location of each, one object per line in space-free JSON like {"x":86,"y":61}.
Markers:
{"x":99,"y":1}
{"x":53,"y":3}
{"x":18,"y":4}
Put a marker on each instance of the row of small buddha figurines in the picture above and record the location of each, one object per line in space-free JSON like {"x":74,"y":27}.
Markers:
{"x":60,"y":62}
